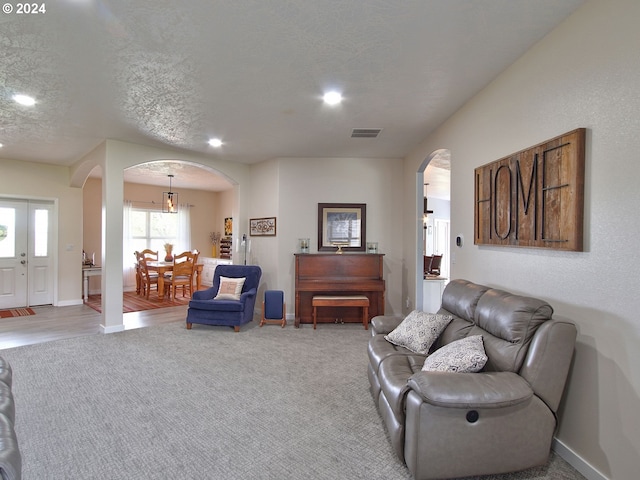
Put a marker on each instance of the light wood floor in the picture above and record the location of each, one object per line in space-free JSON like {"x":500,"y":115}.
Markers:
{"x":55,"y":323}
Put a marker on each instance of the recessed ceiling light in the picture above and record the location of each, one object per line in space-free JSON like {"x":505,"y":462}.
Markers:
{"x":215,"y":142}
{"x":24,"y":100}
{"x":332,"y":98}
{"x":1,"y":145}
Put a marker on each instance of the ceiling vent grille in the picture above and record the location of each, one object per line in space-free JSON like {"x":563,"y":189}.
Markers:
{"x":365,"y":132}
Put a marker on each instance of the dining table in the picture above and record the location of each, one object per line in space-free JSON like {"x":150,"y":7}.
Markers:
{"x":164,"y":267}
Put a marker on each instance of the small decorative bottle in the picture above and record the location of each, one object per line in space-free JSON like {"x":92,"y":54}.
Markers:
{"x":303,"y":245}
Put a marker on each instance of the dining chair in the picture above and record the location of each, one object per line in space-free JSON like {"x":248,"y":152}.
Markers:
{"x":427,"y":264}
{"x":186,"y":256}
{"x":149,"y":255}
{"x":147,"y":280}
{"x":434,"y":269}
{"x":182,"y":274}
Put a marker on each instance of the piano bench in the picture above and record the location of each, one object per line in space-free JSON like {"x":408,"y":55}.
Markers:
{"x":342,"y":301}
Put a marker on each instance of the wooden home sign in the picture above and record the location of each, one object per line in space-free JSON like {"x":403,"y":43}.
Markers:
{"x":533,"y":198}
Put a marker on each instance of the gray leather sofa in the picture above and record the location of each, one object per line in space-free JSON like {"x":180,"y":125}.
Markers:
{"x":501,"y":419}
{"x":10,"y":458}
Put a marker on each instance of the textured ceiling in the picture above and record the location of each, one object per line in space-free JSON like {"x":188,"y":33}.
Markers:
{"x":252,"y":72}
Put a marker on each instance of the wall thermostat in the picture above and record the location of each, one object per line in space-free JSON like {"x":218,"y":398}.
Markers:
{"x":459,"y":241}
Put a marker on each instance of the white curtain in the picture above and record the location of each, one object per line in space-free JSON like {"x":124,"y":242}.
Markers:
{"x":184,"y":229}
{"x":128,"y":260}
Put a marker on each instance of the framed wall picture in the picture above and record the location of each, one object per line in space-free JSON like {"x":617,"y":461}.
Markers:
{"x":228,"y":226}
{"x":342,"y":226}
{"x":262,"y":227}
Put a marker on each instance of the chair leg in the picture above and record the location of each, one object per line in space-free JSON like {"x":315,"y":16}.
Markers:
{"x":188,"y":326}
{"x":236,"y":329}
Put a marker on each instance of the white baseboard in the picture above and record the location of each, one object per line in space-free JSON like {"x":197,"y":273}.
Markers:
{"x":113,"y":329}
{"x":68,"y":303}
{"x":576,"y":461}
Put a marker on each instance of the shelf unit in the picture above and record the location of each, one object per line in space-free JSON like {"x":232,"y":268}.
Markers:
{"x":225,"y":247}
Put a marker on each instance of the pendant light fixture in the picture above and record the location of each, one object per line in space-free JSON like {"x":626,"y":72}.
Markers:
{"x":169,"y":199}
{"x":426,"y":210}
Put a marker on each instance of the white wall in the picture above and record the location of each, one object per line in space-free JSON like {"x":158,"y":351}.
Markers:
{"x":265,"y":202}
{"x":40,"y":181}
{"x":291,"y":188}
{"x":586,"y":73}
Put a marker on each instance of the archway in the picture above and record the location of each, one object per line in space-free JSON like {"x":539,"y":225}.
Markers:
{"x":434,"y":172}
{"x":114,"y":157}
{"x":143,"y":185}
{"x":204,"y":199}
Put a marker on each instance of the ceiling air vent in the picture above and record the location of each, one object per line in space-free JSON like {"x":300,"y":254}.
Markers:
{"x":365,"y":132}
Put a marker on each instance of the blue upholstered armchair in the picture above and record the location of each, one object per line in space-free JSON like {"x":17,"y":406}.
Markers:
{"x":206,"y":309}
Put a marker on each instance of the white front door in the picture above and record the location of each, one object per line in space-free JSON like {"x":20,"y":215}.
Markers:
{"x":26,"y":263}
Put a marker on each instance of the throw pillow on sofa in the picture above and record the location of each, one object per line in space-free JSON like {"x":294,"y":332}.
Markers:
{"x":418,"y":331}
{"x":230,"y":288}
{"x":466,"y":355}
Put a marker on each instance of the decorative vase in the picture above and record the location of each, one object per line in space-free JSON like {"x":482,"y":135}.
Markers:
{"x":214,"y":253}
{"x":168,"y":250}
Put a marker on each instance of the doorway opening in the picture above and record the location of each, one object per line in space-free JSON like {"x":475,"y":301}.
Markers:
{"x":207,"y":195}
{"x":433,"y":200}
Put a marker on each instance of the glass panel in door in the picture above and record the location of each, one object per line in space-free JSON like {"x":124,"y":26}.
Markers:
{"x":40,"y":258}
{"x":13,"y":254}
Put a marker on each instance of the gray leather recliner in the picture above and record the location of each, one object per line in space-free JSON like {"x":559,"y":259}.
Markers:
{"x":10,"y":457}
{"x":502,"y":419}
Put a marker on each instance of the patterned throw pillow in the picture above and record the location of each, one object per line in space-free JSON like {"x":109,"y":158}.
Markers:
{"x":463,"y":356}
{"x":418,"y":331}
{"x":230,"y":288}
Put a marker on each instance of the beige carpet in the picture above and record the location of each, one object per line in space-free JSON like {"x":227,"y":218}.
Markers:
{"x":170,"y":403}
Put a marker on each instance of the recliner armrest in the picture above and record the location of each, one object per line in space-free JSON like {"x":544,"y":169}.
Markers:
{"x":10,"y":456}
{"x":383,"y":324}
{"x":471,"y":390}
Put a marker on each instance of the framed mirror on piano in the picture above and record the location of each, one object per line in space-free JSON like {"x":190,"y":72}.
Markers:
{"x":342,"y":227}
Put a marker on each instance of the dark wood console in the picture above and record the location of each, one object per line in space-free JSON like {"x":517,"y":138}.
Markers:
{"x":338,"y":274}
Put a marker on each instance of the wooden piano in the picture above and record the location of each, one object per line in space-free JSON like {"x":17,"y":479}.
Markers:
{"x":338,"y":274}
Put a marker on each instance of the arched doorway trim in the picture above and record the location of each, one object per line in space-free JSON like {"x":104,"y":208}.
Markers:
{"x":114,"y":157}
{"x":436,"y":155}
